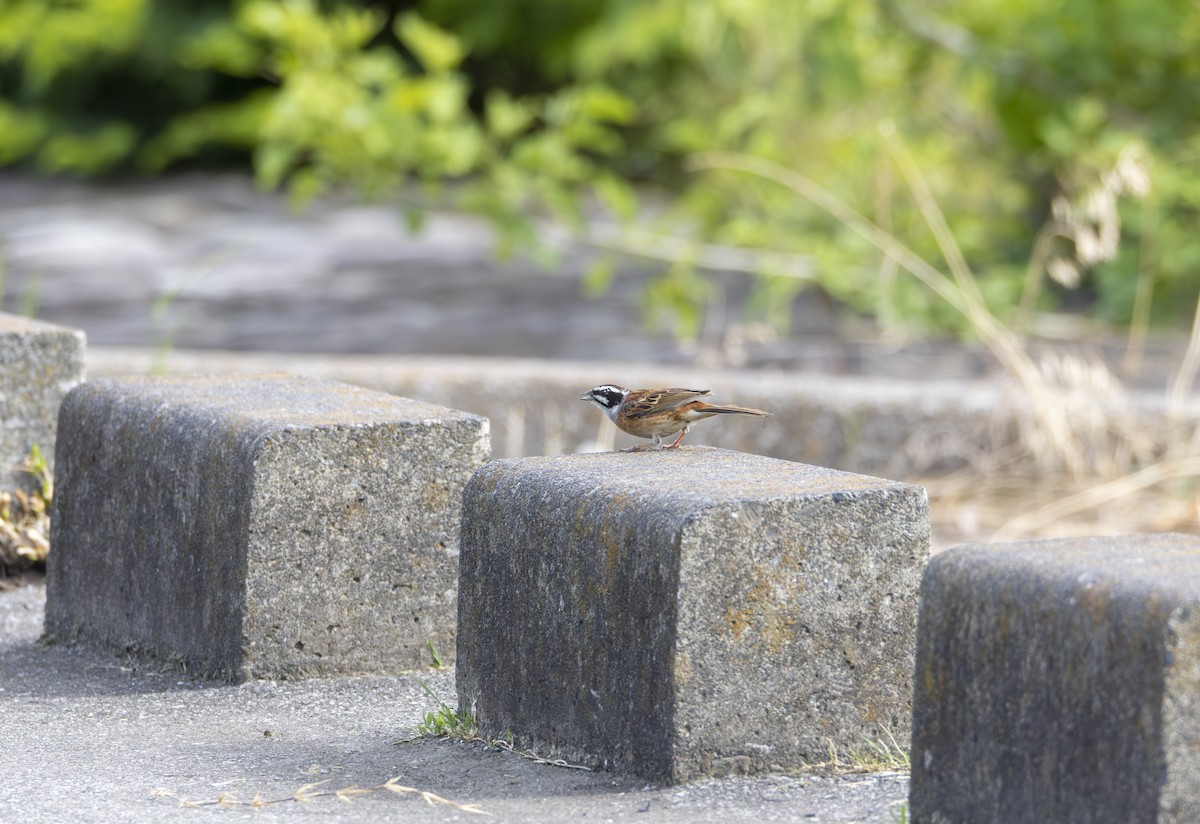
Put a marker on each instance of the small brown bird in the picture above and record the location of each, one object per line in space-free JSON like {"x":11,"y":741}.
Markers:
{"x":657,"y":413}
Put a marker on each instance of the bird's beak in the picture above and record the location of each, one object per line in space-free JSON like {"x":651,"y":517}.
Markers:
{"x":586,"y":396}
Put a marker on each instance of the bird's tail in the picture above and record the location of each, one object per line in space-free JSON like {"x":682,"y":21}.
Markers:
{"x":736,"y":410}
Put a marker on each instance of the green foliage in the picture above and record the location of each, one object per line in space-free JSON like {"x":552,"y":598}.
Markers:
{"x":25,"y":517}
{"x":1061,"y":140}
{"x":39,"y":469}
{"x":445,"y":720}
{"x":40,"y":44}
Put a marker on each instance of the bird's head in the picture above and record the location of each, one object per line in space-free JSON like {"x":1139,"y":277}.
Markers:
{"x":608,"y":397}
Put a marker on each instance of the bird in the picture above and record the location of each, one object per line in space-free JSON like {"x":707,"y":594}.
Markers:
{"x":657,"y":413}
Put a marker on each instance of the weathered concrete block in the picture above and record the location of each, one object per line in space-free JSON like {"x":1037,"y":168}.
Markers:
{"x":39,"y":363}
{"x":1059,"y":681}
{"x":688,"y":612}
{"x":256,"y":526}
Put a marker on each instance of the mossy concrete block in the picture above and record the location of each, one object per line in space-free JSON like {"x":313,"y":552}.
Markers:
{"x":259,"y":526}
{"x":688,"y":612}
{"x":39,"y":364}
{"x":1059,"y":681}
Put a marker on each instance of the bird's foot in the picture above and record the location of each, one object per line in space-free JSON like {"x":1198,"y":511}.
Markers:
{"x":675,"y":444}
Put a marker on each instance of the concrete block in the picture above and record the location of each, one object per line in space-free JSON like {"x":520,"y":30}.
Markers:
{"x":688,"y":612}
{"x":1059,"y":681}
{"x":39,"y":363}
{"x":259,"y":526}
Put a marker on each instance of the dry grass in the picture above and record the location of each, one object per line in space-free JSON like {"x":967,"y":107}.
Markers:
{"x":309,"y":792}
{"x":1068,"y":449}
{"x":871,"y":757}
{"x":25,"y":519}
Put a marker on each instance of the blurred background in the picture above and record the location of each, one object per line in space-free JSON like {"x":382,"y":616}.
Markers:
{"x":1003,"y":193}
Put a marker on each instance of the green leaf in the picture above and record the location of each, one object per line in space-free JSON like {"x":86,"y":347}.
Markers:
{"x":436,"y":49}
{"x":238,"y":124}
{"x":617,"y":195}
{"x":506,"y":117}
{"x":602,"y":103}
{"x":599,"y":276}
{"x":87,"y":153}
{"x":435,"y":655}
{"x":21,"y":130}
{"x":224,"y":47}
{"x":273,"y":162}
{"x":305,"y":186}
{"x":415,"y":218}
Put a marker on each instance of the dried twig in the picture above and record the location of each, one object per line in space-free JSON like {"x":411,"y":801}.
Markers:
{"x":309,"y":792}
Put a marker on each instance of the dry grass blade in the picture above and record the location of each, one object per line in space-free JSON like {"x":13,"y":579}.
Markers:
{"x":1045,"y":419}
{"x":309,"y":791}
{"x":1099,"y":495}
{"x":1181,"y":385}
{"x":501,"y":744}
{"x":393,"y":785}
{"x":347,"y":793}
{"x":872,"y":757}
{"x":533,"y":756}
{"x":860,"y":224}
{"x":25,"y":519}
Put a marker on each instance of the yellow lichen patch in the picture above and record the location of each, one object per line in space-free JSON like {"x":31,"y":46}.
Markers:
{"x":737,"y":620}
{"x":769,"y":627}
{"x":777,"y":631}
{"x":612,"y":554}
{"x":435,"y":497}
{"x":609,"y":541}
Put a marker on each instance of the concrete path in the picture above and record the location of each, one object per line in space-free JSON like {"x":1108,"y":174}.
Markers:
{"x":209,"y":262}
{"x":93,"y":737}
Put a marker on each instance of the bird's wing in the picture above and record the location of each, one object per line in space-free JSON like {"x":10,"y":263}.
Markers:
{"x":643,"y":402}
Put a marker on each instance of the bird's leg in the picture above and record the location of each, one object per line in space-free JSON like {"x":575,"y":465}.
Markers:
{"x":675,"y":443}
{"x":645,"y":447}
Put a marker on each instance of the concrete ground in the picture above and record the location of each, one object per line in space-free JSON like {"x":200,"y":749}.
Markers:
{"x":88,"y":736}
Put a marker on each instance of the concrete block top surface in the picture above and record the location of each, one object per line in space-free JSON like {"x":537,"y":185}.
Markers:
{"x":1166,"y":565}
{"x":685,"y":478}
{"x":271,"y":399}
{"x":19,"y":324}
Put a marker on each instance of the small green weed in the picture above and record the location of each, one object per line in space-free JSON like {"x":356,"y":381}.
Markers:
{"x":459,"y":724}
{"x":445,"y":721}
{"x":438,"y":663}
{"x":36,"y":465}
